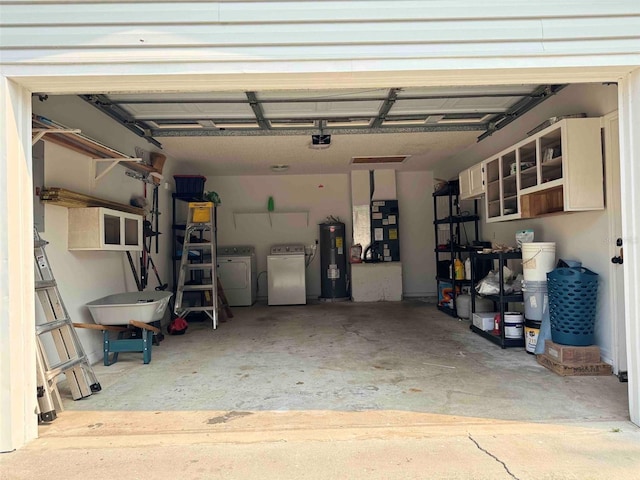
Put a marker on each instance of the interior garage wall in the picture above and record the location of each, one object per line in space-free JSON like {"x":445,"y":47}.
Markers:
{"x":84,"y":276}
{"x":417,"y":242}
{"x":578,"y":236}
{"x":243,"y":219}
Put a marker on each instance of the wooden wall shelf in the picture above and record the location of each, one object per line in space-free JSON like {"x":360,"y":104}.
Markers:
{"x":73,"y":139}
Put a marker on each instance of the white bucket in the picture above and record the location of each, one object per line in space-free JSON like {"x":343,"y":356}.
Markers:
{"x":536,"y":299}
{"x":513,"y":325}
{"x":538,"y":258}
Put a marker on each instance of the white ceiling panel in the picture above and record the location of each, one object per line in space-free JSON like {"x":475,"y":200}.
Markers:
{"x":467,"y":90}
{"x":322,"y":94}
{"x":160,"y":111}
{"x":414,"y":107}
{"x":178,"y":97}
{"x":321,"y":109}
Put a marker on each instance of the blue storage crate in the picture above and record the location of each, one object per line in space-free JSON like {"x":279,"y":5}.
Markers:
{"x":573,"y":294}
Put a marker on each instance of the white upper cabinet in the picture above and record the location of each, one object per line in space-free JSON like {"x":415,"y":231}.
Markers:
{"x":99,"y":228}
{"x":472,"y":182}
{"x":558,"y":169}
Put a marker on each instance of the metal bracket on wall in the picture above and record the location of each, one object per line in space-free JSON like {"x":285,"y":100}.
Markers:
{"x":146,"y":178}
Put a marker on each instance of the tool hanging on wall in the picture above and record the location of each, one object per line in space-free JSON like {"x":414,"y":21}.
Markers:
{"x":149,"y":231}
{"x":142,"y":279}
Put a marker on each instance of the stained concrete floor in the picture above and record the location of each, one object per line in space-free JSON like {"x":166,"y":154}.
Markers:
{"x":353,"y":391}
{"x":349,"y":357}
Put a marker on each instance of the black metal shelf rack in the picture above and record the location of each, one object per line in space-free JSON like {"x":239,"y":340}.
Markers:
{"x":502,"y":300}
{"x":453,"y":217}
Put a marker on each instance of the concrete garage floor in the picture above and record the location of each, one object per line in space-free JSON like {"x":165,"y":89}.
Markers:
{"x":336,"y":391}
{"x":349,"y":357}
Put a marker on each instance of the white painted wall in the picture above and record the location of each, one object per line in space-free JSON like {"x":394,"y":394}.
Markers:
{"x":320,"y":195}
{"x":323,"y":195}
{"x":417,"y":242}
{"x":17,"y":329}
{"x":578,"y":236}
{"x":84,"y":276}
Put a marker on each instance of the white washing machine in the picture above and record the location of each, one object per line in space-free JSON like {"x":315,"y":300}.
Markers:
{"x":286,"y":275}
{"x":236,"y":267}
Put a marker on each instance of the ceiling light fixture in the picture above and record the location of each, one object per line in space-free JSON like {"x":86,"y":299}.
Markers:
{"x":279,"y":168}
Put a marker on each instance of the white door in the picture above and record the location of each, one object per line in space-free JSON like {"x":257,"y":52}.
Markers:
{"x":614,"y":205}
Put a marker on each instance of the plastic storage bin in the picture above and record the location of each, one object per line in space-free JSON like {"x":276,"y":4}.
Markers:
{"x":484,"y":320}
{"x":463,"y":305}
{"x":572,"y":305}
{"x":190,"y":185}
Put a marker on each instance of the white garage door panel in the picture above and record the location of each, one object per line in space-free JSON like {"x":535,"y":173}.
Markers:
{"x":261,"y":33}
{"x":324,"y":33}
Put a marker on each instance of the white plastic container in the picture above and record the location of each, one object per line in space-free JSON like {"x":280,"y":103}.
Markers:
{"x":484,"y":321}
{"x":513,"y":325}
{"x":536,"y":299}
{"x":463,"y":305}
{"x":538,"y":259}
{"x":120,"y":308}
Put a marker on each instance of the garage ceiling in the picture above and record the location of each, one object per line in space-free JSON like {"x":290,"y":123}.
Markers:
{"x":239,"y":133}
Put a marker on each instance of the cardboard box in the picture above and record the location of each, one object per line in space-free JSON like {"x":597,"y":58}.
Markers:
{"x":484,"y":320}
{"x":583,"y":370}
{"x":570,"y":355}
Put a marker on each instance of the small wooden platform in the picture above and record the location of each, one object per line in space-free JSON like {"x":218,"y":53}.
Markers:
{"x":565,"y":370}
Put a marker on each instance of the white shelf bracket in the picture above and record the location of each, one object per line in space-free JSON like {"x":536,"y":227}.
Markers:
{"x":113,"y":162}
{"x":38,"y":133}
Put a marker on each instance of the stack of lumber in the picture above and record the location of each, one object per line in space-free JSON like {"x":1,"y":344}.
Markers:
{"x":69,"y":199}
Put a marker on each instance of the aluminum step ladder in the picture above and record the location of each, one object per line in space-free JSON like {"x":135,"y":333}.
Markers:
{"x":58,"y":327}
{"x":198,"y":263}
